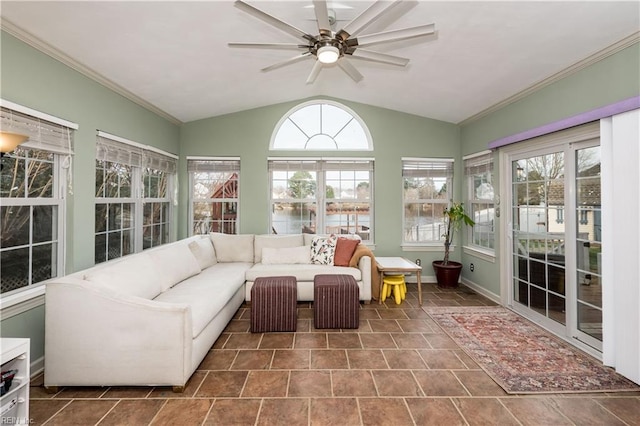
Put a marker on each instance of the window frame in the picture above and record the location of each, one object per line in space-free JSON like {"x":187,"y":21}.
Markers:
{"x":54,"y":135}
{"x":138,"y":158}
{"x":226,"y":164}
{"x":321,"y":166}
{"x":473,"y":165}
{"x":423,"y":168}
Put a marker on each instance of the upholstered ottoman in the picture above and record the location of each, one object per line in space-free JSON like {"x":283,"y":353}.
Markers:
{"x":274,"y":304}
{"x":336,"y":302}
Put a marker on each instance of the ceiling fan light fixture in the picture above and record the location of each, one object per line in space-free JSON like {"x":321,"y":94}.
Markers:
{"x":328,"y":54}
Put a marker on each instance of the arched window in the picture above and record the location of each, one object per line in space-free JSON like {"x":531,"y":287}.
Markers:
{"x":321,"y":125}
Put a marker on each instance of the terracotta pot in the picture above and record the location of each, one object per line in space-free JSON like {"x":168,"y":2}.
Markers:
{"x":447,"y":276}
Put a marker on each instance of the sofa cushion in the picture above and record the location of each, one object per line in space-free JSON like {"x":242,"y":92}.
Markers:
{"x":204,"y":252}
{"x":300,"y":271}
{"x":286,"y":255}
{"x":136,"y":275}
{"x":344,"y":251}
{"x":175,"y":262}
{"x":275,"y":241}
{"x":309,"y":237}
{"x":323,"y":249}
{"x":208,"y":292}
{"x":233,"y":247}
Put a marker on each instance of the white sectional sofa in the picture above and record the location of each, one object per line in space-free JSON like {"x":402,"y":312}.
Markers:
{"x":150,"y":318}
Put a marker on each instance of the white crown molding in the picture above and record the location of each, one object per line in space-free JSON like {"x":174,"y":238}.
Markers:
{"x":578,"y":66}
{"x":60,"y":56}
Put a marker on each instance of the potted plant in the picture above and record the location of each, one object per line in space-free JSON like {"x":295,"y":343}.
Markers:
{"x":447,"y":271}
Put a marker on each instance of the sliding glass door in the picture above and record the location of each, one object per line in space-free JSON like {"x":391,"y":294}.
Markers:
{"x":554,"y":235}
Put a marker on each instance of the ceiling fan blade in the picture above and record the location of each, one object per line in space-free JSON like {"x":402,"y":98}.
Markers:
{"x":317,"y":67}
{"x":270,"y":45}
{"x":322,"y":16}
{"x":361,"y":21}
{"x":272,"y":20}
{"x":380,"y":57}
{"x":393,"y":35}
{"x":350,"y":69}
{"x":295,"y":59}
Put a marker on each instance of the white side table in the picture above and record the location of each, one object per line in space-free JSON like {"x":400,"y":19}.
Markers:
{"x":400,"y":265}
{"x":14,"y":405}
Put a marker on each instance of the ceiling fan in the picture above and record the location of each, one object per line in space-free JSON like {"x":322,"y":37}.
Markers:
{"x":329,"y":47}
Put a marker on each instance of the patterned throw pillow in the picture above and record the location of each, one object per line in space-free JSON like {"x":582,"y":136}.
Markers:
{"x":323,"y":249}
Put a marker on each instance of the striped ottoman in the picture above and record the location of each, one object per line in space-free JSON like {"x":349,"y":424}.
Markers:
{"x":274,"y":304}
{"x":336,"y":302}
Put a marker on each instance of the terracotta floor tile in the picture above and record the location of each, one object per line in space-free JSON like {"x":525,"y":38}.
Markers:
{"x":218,"y":359}
{"x":190,"y":389}
{"x":183,"y":411}
{"x":440,"y":383}
{"x":584,"y":410}
{"x":410,"y":340}
{"x":40,"y":410}
{"x":392,"y":314}
{"x":294,"y":359}
{"x":127,"y":392}
{"x":304,"y":325}
{"x":133,"y":412}
{"x":414,"y":325}
{"x":284,"y":411}
{"x":384,"y":325}
{"x":404,"y":359}
{"x":238,"y":326}
{"x":344,"y":340}
{"x":259,"y":359}
{"x":478,"y":383}
{"x":369,"y":314}
{"x":267,"y":384}
{"x":309,"y":384}
{"x":311,"y":340}
{"x":485,"y":411}
{"x":353,"y":383}
{"x":396,"y":383}
{"x":334,"y":411}
{"x":73,"y":392}
{"x":233,"y":412}
{"x":329,"y":359}
{"x":440,"y":340}
{"x":277,"y":341}
{"x":243,"y":341}
{"x":535,"y":411}
{"x":434,"y":411}
{"x":377,"y":340}
{"x":416,"y":313}
{"x":366,"y":359}
{"x":437,"y":359}
{"x":222,"y":340}
{"x":223,"y":384}
{"x":305,"y":313}
{"x":82,"y":412}
{"x":626,"y":408}
{"x":385,"y":412}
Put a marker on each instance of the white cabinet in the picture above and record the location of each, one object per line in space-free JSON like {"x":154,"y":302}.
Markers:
{"x":14,"y":404}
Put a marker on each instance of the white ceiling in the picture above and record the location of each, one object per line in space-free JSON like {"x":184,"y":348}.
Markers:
{"x":174,"y":55}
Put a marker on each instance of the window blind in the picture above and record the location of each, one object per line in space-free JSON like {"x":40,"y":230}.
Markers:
{"x":427,"y":168}
{"x":213,"y":165}
{"x":316,"y":164}
{"x":478,"y":164}
{"x":134,"y":155}
{"x":43,"y":134}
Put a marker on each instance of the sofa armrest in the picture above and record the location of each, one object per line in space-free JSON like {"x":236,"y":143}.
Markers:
{"x":364,"y":264}
{"x":96,"y":336}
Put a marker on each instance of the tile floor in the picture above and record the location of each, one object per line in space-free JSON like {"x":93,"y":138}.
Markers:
{"x":397,"y":369}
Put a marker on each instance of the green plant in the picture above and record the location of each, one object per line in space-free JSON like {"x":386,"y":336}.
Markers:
{"x":454,"y":218}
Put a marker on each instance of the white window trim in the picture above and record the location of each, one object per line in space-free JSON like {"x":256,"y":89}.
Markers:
{"x":481,"y":252}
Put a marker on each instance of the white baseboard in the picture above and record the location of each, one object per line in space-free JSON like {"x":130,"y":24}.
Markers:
{"x":37,"y":366}
{"x":481,"y":290}
{"x":423,"y":279}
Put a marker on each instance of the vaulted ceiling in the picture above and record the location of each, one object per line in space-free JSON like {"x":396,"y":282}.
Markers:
{"x":173,"y":56}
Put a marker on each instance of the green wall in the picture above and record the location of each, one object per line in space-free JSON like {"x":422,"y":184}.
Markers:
{"x":35,"y":80}
{"x":610,"y":80}
{"x":247,"y":135}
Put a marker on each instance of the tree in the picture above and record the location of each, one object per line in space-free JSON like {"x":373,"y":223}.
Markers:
{"x":302,"y":185}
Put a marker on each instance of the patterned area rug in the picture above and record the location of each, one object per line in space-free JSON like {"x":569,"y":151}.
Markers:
{"x":521,"y":356}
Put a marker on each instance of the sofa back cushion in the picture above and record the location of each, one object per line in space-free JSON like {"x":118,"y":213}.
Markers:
{"x":286,"y":255}
{"x":136,"y":275}
{"x":204,"y":252}
{"x":275,"y":241}
{"x":175,"y":262}
{"x":232,"y":247}
{"x":309,"y":237}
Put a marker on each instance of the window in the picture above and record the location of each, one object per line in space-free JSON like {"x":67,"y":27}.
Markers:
{"x":32,"y":193}
{"x":214,"y":194}
{"x":321,"y":126}
{"x":426,"y":192}
{"x":133,"y":197}
{"x":322,"y":196}
{"x":478,"y":170}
